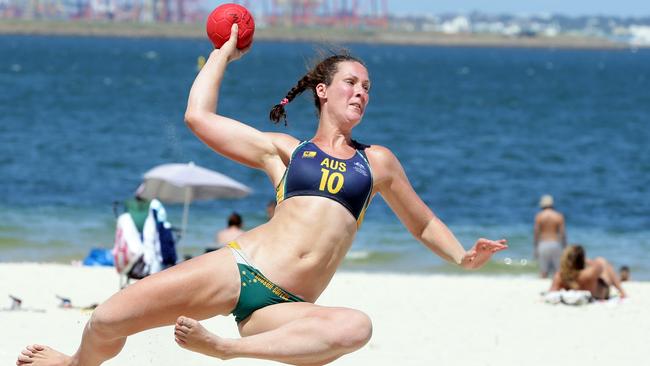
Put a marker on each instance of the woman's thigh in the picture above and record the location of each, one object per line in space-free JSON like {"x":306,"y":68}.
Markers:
{"x":275,"y":316}
{"x":602,"y":289}
{"x":199,"y":288}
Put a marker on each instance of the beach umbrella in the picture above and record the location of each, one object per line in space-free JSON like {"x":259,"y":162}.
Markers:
{"x":185,"y":183}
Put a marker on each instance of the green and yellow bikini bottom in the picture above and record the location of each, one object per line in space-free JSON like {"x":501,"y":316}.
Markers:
{"x":256,"y":291}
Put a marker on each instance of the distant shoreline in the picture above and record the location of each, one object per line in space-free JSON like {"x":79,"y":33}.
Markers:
{"x":336,"y":35}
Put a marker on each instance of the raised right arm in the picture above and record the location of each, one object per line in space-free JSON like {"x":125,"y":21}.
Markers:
{"x":228,"y":137}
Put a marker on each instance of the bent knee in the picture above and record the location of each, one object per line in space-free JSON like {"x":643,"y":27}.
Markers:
{"x":601,"y":260}
{"x":104,"y":323}
{"x":352,"y":330}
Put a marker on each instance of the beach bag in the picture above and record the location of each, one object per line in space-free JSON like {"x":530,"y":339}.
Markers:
{"x":128,"y":249}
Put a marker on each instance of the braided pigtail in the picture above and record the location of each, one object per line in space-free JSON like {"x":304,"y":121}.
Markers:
{"x":322,"y":72}
{"x":278,"y":112}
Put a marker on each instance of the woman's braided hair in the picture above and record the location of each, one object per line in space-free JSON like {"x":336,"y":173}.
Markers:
{"x":323,"y":72}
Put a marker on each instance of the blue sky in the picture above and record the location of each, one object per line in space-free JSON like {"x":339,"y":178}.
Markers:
{"x":567,"y":7}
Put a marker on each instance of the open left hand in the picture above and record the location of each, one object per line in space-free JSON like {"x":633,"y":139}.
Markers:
{"x":481,"y":252}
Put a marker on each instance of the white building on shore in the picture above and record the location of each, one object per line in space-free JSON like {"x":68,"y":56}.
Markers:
{"x":639,"y":35}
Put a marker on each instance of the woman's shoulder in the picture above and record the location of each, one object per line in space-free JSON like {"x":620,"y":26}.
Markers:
{"x":379,"y":154}
{"x":283,"y":142}
{"x":384,"y":164}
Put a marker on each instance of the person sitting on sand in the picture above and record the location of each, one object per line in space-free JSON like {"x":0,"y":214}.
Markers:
{"x":231,"y":232}
{"x":271,"y":276}
{"x":579,"y":273}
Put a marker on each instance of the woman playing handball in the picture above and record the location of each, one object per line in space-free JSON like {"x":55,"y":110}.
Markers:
{"x":272,"y":275}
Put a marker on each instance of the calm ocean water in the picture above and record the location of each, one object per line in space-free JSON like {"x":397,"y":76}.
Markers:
{"x":481,"y":132}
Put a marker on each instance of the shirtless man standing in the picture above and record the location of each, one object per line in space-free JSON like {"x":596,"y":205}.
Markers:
{"x":549,"y":237}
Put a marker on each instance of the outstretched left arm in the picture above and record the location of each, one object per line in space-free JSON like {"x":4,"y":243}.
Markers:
{"x":397,"y":191}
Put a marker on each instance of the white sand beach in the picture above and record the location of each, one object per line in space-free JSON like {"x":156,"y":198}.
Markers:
{"x":417,"y":319}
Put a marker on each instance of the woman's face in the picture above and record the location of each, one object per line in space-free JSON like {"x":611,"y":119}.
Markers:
{"x":346,"y":97}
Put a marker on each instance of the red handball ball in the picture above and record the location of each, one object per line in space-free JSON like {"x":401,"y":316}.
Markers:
{"x":221,"y":20}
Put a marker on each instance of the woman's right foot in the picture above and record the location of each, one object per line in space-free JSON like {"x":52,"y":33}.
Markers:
{"x":191,"y":335}
{"x":37,"y":355}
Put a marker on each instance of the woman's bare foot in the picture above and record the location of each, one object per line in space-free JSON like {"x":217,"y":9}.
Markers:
{"x":191,"y":335}
{"x":37,"y":355}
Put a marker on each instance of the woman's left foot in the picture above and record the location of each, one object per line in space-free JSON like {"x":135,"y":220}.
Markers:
{"x":191,"y":335}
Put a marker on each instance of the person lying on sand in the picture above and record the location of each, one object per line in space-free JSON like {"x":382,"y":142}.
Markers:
{"x":579,"y":273}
